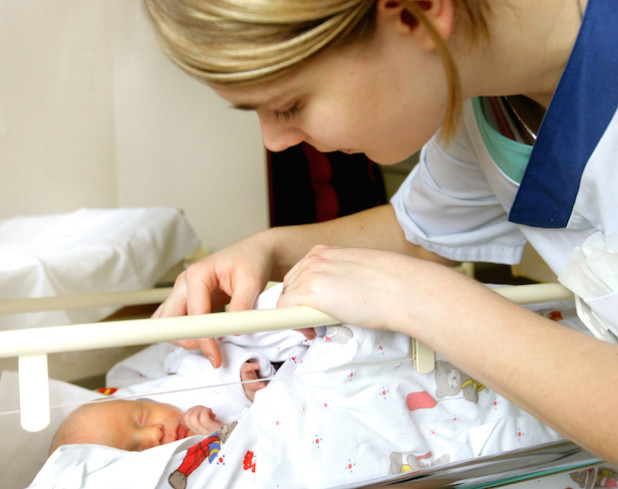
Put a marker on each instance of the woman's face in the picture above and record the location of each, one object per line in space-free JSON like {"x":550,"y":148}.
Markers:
{"x":383,"y":98}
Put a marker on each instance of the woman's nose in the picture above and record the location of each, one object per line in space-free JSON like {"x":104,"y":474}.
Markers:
{"x":278,"y":134}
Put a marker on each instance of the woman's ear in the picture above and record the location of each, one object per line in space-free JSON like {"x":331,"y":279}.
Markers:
{"x":441,"y":13}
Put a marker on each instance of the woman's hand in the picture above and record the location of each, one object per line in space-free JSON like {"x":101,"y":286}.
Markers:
{"x":240,"y":272}
{"x":353,"y":285}
{"x":371,"y":288}
{"x":200,"y":420}
{"x":236,"y":274}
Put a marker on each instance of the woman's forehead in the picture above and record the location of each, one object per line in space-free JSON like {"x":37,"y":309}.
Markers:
{"x":272,"y":92}
{"x":255,"y":97}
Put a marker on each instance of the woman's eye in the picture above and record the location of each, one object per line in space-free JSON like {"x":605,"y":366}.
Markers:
{"x":289,"y":113}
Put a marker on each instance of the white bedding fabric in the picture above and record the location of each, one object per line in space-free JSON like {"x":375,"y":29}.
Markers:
{"x":22,"y":453}
{"x":354,"y":410}
{"x":85,"y":252}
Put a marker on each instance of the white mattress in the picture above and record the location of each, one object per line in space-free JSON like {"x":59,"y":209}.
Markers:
{"x":87,"y":251}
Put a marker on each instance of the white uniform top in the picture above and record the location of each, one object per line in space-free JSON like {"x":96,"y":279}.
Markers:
{"x":456,"y":202}
{"x":459,"y":204}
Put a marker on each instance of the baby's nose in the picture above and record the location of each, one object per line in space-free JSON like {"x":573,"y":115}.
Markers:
{"x":151,"y":436}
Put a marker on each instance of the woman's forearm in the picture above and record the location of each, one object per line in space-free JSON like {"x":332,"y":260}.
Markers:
{"x":375,"y":228}
{"x":561,"y":376}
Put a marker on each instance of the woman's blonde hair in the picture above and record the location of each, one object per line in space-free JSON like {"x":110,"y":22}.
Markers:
{"x":242,"y":42}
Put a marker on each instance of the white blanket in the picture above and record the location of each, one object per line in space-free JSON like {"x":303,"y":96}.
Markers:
{"x":85,"y":252}
{"x":22,"y":453}
{"x":355,"y":410}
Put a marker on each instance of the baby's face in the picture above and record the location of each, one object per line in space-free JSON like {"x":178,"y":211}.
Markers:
{"x":135,"y":425}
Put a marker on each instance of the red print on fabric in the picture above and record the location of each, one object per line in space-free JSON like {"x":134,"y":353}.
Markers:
{"x":206,"y":449}
{"x":249,"y":463}
{"x":420,"y":400}
{"x":108,"y":391}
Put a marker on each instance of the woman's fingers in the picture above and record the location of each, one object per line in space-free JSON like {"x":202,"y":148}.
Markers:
{"x":176,"y":302}
{"x":211,"y":350}
{"x":200,"y":289}
{"x":245,"y":293}
{"x":200,"y":284}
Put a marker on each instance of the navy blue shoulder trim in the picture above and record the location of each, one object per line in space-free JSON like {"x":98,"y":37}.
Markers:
{"x":583,"y":105}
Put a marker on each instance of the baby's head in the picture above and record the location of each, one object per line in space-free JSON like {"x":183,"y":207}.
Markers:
{"x":127,"y":425}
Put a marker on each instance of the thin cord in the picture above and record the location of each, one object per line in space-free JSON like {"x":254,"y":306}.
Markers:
{"x":529,"y":134}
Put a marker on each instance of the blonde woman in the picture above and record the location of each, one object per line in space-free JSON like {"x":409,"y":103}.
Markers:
{"x":469,"y":81}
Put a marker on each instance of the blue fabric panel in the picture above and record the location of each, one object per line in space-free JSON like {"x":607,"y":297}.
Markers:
{"x":582,"y":107}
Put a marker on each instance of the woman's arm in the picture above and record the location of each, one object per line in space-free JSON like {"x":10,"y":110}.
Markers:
{"x":240,"y":272}
{"x":561,"y":376}
{"x":375,"y":228}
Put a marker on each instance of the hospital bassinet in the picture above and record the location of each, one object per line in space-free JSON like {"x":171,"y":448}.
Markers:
{"x":545,"y":464}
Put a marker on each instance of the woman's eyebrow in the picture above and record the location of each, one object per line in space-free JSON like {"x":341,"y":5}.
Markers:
{"x":268,"y":102}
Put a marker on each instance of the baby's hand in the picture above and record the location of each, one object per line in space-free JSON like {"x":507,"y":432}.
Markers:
{"x":248,"y":373}
{"x":308,"y":333}
{"x":200,"y":420}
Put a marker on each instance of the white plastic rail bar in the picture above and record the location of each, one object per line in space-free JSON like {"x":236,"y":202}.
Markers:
{"x":68,"y":302}
{"x":54,"y":339}
{"x":535,"y":293}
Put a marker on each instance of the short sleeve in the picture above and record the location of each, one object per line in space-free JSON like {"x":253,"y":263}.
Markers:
{"x":447,"y":206}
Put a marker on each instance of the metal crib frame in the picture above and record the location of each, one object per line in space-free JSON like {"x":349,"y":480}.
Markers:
{"x":497,"y":470}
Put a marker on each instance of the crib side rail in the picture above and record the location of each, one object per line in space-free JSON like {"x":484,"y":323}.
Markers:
{"x":83,"y":301}
{"x":33,"y":344}
{"x":53,"y":339}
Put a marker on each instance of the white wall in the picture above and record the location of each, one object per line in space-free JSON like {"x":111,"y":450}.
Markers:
{"x":56,"y":124}
{"x":93,"y":115}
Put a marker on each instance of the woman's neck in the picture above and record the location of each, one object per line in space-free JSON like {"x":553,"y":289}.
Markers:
{"x":528,"y":46}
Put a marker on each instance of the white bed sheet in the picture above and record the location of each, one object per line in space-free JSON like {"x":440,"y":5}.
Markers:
{"x":355,"y":410}
{"x":85,"y":252}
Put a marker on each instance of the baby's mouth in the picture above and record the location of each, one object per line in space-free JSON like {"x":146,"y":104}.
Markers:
{"x":181,"y":432}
